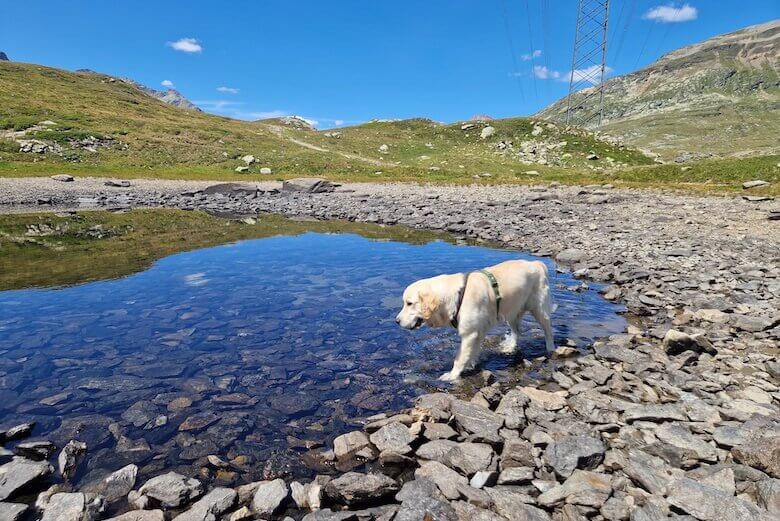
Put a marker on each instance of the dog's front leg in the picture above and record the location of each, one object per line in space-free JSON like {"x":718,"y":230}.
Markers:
{"x":467,"y":356}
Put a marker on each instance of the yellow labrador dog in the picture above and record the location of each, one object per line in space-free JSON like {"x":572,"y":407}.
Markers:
{"x":475,"y":302}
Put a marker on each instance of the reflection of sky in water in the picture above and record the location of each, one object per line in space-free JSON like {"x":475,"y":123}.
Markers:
{"x":302,"y":327}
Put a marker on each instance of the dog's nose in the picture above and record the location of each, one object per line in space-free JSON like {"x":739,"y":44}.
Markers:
{"x":397,"y":320}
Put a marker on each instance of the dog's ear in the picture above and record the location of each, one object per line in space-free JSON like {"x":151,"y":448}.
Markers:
{"x":456,"y":288}
{"x":429,"y":306}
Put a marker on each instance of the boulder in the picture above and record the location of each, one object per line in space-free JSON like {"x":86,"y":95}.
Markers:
{"x":140,"y":515}
{"x":394,"y":437}
{"x":235,"y":189}
{"x":74,"y":506}
{"x":708,"y":503}
{"x":481,"y":423}
{"x":312,"y":185}
{"x":248,"y":159}
{"x":63,"y":178}
{"x":676,"y":342}
{"x":349,"y":443}
{"x":487,"y":132}
{"x":266,"y":171}
{"x":69,"y":458}
{"x":574,"y":452}
{"x":19,"y":473}
{"x":116,"y":485}
{"x":470,"y":458}
{"x":445,"y":478}
{"x":581,"y":488}
{"x":12,"y":511}
{"x":172,"y":490}
{"x":269,"y":497}
{"x":761,"y":452}
{"x":354,"y":488}
{"x":747,"y":185}
{"x":211,"y":506}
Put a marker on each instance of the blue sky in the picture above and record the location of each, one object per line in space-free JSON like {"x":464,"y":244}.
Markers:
{"x":348,"y":61}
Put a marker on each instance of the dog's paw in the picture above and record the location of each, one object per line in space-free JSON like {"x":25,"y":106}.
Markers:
{"x":449,"y":377}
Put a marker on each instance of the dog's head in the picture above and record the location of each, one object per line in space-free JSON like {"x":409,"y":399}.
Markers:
{"x":433,"y":302}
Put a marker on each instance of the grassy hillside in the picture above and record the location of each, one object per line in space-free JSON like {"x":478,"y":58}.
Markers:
{"x":720,"y":97}
{"x":154,"y":139}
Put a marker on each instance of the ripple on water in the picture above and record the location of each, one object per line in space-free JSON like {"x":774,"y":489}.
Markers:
{"x":248,"y":351}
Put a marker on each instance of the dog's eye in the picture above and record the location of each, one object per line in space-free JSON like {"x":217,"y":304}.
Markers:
{"x":408,"y":302}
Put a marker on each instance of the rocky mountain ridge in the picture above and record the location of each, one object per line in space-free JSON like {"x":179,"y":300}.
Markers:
{"x":719,"y":97}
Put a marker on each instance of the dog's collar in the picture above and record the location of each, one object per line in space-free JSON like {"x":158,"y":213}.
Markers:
{"x":461,"y":292}
{"x":494,"y":285}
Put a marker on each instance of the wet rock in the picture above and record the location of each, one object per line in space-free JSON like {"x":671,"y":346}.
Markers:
{"x":210,"y":506}
{"x":469,"y":458}
{"x":269,"y":496}
{"x":36,"y":450}
{"x":12,"y":511}
{"x":16,"y":432}
{"x":293,"y":404}
{"x":709,"y":503}
{"x":445,"y":478}
{"x":350,"y":443}
{"x":20,"y":473}
{"x":574,"y":452}
{"x":393,"y":437}
{"x":198,"y":422}
{"x":74,"y":506}
{"x":354,"y":488}
{"x":69,"y":458}
{"x":116,"y":485}
{"x":172,"y":490}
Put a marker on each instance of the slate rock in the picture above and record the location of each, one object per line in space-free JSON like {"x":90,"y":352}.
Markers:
{"x":210,"y":506}
{"x":394,"y":437}
{"x":72,"y":506}
{"x":445,"y":478}
{"x":172,"y":490}
{"x":761,"y":452}
{"x":709,"y":503}
{"x":269,"y":496}
{"x":483,"y":424}
{"x":349,"y":443}
{"x":140,"y":515}
{"x":20,"y":473}
{"x":469,"y":458}
{"x":69,"y":458}
{"x":354,"y":488}
{"x":116,"y":485}
{"x":514,"y":505}
{"x":581,"y":488}
{"x":574,"y":452}
{"x":12,"y":511}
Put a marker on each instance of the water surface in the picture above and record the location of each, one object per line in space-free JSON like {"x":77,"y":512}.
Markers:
{"x":254,"y":351}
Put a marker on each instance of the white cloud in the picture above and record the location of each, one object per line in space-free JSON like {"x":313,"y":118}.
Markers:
{"x":188,"y":45}
{"x":531,"y":56}
{"x":167,"y":84}
{"x":543,"y":73}
{"x":590,"y":74}
{"x":227,"y":90}
{"x":338,"y":122}
{"x":671,"y":14}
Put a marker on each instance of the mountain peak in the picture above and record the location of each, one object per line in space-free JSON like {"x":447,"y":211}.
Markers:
{"x":4,"y":57}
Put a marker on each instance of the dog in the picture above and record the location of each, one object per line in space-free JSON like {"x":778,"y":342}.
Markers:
{"x":474,"y":302}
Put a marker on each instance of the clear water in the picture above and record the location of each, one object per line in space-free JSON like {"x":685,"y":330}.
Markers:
{"x":245,"y":350}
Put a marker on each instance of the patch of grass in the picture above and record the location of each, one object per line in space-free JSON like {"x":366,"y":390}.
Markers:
{"x":44,"y":250}
{"x":17,"y":123}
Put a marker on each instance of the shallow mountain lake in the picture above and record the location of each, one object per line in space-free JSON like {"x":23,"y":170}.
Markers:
{"x":256,"y":351}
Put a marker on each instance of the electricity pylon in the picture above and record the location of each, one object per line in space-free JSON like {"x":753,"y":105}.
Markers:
{"x":588,"y":64}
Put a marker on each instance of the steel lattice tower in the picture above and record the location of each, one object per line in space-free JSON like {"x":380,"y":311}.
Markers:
{"x":588,"y":64}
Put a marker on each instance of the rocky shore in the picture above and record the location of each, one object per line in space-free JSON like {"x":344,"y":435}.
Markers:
{"x":678,"y":418}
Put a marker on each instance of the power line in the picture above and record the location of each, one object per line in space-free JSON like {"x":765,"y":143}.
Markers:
{"x":510,"y":40}
{"x":545,"y":39}
{"x":531,"y":41}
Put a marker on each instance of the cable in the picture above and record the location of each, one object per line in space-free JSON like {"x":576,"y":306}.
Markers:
{"x":531,"y":41}
{"x":545,"y":40}
{"x":508,"y":28}
{"x":622,"y":37}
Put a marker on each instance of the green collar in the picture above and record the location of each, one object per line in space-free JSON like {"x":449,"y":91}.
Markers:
{"x":494,"y":285}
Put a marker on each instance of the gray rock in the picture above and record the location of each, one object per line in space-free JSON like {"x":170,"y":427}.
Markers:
{"x":679,"y":436}
{"x":487,"y":132}
{"x":16,"y":432}
{"x":647,"y":471}
{"x":116,"y":485}
{"x":420,"y":498}
{"x":19,"y":473}
{"x":445,"y":478}
{"x":512,"y":408}
{"x":581,"y":488}
{"x":515,"y":476}
{"x":354,"y":488}
{"x":574,"y":452}
{"x":517,"y":453}
{"x":36,"y":450}
{"x":394,"y":437}
{"x":483,"y":424}
{"x":172,"y":490}
{"x":435,"y":450}
{"x":514,"y":505}
{"x":754,"y":184}
{"x":469,"y":458}
{"x":438,"y":431}
{"x":468,"y":512}
{"x":69,"y":458}
{"x":570,"y":255}
{"x":140,"y":515}
{"x":768,"y":495}
{"x":63,"y":178}
{"x":74,"y":506}
{"x":12,"y":511}
{"x":349,"y":443}
{"x":761,"y":452}
{"x":210,"y":506}
{"x":656,"y":413}
{"x":615,"y":509}
{"x":117,"y":184}
{"x":312,"y":185}
{"x":676,"y":342}
{"x":709,"y":503}
{"x":269,"y":496}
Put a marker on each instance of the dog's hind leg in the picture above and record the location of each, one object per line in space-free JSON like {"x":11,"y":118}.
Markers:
{"x":543,"y":318}
{"x":509,"y":344}
{"x":467,"y":356}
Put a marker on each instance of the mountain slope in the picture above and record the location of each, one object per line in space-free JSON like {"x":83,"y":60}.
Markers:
{"x":85,"y":122}
{"x":719,"y":97}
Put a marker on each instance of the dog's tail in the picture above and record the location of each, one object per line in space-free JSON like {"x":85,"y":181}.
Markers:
{"x":544,"y":294}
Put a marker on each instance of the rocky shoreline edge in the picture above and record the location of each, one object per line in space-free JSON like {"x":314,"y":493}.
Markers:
{"x":677,"y":418}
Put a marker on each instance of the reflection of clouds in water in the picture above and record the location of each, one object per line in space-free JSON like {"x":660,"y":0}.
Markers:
{"x":195,"y":279}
